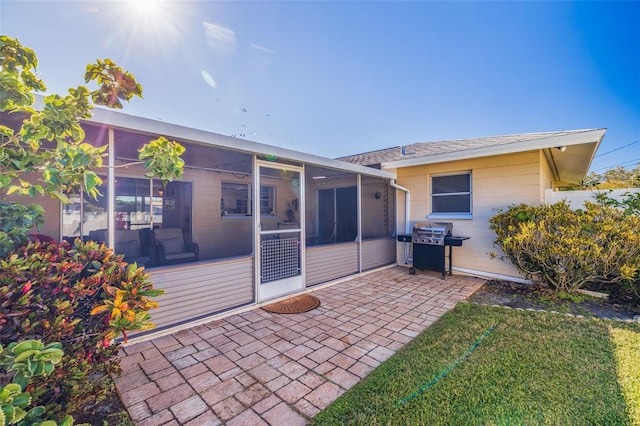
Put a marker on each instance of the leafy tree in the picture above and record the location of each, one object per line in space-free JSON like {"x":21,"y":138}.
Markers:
{"x":82,"y":296}
{"x":47,"y":155}
{"x":614,"y":178}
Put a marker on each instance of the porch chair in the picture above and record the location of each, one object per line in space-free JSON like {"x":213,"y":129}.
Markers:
{"x":172,"y":248}
{"x":136,"y":246}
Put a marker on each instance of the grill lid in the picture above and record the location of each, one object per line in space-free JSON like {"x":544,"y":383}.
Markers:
{"x":442,"y":228}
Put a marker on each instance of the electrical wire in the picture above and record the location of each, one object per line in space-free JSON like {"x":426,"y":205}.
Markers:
{"x":618,"y":149}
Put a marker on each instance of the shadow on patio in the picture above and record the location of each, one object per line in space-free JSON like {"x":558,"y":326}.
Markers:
{"x":260,"y":368}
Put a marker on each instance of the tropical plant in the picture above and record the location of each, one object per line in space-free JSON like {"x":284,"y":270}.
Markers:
{"x":47,"y":155}
{"x":19,"y":364}
{"x":568,"y":249}
{"x":84,"y":295}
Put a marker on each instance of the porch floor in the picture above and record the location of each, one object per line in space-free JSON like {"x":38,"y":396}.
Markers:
{"x":260,"y":368}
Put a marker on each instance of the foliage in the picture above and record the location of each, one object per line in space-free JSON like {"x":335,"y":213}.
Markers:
{"x":534,"y":368}
{"x":630,"y":202}
{"x":82,"y":296}
{"x":21,"y":362}
{"x":162,"y":158}
{"x":568,"y":249}
{"x":614,"y":178}
{"x":17,"y":220}
{"x":47,"y":155}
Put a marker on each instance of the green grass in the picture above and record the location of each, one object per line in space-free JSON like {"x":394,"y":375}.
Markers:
{"x":532,"y":368}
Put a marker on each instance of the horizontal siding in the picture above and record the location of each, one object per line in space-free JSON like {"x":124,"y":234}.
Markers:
{"x":498,"y":181}
{"x":329,"y":262}
{"x":378,"y":252}
{"x":198,"y":289}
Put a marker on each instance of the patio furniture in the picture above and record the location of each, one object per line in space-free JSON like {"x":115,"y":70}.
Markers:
{"x":172,"y":247}
{"x":136,"y":246}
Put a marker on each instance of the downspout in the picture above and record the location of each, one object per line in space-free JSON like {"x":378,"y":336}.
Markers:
{"x":407,"y":205}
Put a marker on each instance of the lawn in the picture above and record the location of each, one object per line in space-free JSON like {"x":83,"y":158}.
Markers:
{"x":481,"y":365}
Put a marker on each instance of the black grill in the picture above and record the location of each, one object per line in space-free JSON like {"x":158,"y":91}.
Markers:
{"x":428,"y":246}
{"x":429,"y":240}
{"x":431,"y":233}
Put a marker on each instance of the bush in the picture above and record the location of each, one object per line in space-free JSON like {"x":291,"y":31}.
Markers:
{"x":82,"y":296}
{"x":19,"y":364}
{"x":569,"y":249}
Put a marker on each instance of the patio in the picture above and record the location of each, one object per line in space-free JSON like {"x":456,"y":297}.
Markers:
{"x":260,"y":368}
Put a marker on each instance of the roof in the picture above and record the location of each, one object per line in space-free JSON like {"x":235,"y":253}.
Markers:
{"x":136,"y":124}
{"x":570,"y":164}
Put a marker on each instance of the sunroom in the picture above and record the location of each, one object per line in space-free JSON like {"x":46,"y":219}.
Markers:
{"x":247,"y":223}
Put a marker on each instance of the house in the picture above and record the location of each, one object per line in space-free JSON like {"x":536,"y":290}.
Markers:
{"x":247,"y":223}
{"x":467,"y":181}
{"x":251,"y":222}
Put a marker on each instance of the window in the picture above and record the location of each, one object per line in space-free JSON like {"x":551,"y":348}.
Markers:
{"x":236,"y":199}
{"x":267,"y":196}
{"x":136,"y":207}
{"x":451,"y":195}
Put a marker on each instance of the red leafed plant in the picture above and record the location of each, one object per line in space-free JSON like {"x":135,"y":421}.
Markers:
{"x":81,"y":295}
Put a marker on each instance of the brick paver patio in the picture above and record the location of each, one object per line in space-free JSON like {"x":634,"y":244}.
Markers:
{"x":260,"y":368}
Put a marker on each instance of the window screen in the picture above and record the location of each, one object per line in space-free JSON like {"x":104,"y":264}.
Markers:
{"x":451,"y":193}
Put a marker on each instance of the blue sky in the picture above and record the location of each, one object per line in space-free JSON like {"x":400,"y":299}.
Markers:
{"x":338,"y":78}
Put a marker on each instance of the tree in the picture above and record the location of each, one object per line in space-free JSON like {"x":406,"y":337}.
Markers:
{"x":81,"y":295}
{"x":47,"y":155}
{"x":614,"y":178}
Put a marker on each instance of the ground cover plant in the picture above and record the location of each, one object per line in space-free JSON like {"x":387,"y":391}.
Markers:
{"x":483,"y":365}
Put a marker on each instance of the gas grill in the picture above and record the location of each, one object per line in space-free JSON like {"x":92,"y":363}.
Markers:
{"x":429,"y":241}
{"x":431,"y":233}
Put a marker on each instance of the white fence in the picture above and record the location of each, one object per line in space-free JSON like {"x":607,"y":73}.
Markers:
{"x":576,"y":199}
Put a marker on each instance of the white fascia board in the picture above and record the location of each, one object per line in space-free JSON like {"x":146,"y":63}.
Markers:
{"x":134,"y":123}
{"x":588,"y":136}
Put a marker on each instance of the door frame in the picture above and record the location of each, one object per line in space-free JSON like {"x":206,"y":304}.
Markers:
{"x":282,"y":287}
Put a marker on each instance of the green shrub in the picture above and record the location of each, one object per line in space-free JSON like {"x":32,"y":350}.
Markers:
{"x":569,"y":249}
{"x":82,"y":296}
{"x":19,"y":364}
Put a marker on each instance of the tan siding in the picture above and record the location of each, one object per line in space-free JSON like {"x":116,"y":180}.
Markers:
{"x":498,"y":181}
{"x":329,"y":262}
{"x":378,"y":252}
{"x":198,"y":289}
{"x":546,"y":176}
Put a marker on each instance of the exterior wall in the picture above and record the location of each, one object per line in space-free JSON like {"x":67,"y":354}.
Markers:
{"x":546,"y":176}
{"x":497,"y":182}
{"x":378,"y":252}
{"x":199,"y":289}
{"x":51,"y":206}
{"x":211,"y":230}
{"x":330,"y":262}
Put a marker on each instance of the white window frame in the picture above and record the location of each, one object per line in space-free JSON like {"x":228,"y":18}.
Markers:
{"x":271,"y":200}
{"x":451,"y":215}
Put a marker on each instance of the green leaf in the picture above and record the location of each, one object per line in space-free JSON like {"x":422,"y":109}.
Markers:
{"x":27,"y":345}
{"x":26,"y":354}
{"x":60,"y":196}
{"x":22,"y":400}
{"x":91,"y":180}
{"x":151,"y":293}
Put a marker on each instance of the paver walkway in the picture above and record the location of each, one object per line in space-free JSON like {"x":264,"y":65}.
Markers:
{"x":260,"y":368}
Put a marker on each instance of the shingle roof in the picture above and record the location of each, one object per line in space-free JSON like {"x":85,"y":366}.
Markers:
{"x":426,"y":149}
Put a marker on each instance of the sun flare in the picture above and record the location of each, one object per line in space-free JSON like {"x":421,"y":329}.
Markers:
{"x":147,"y":7}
